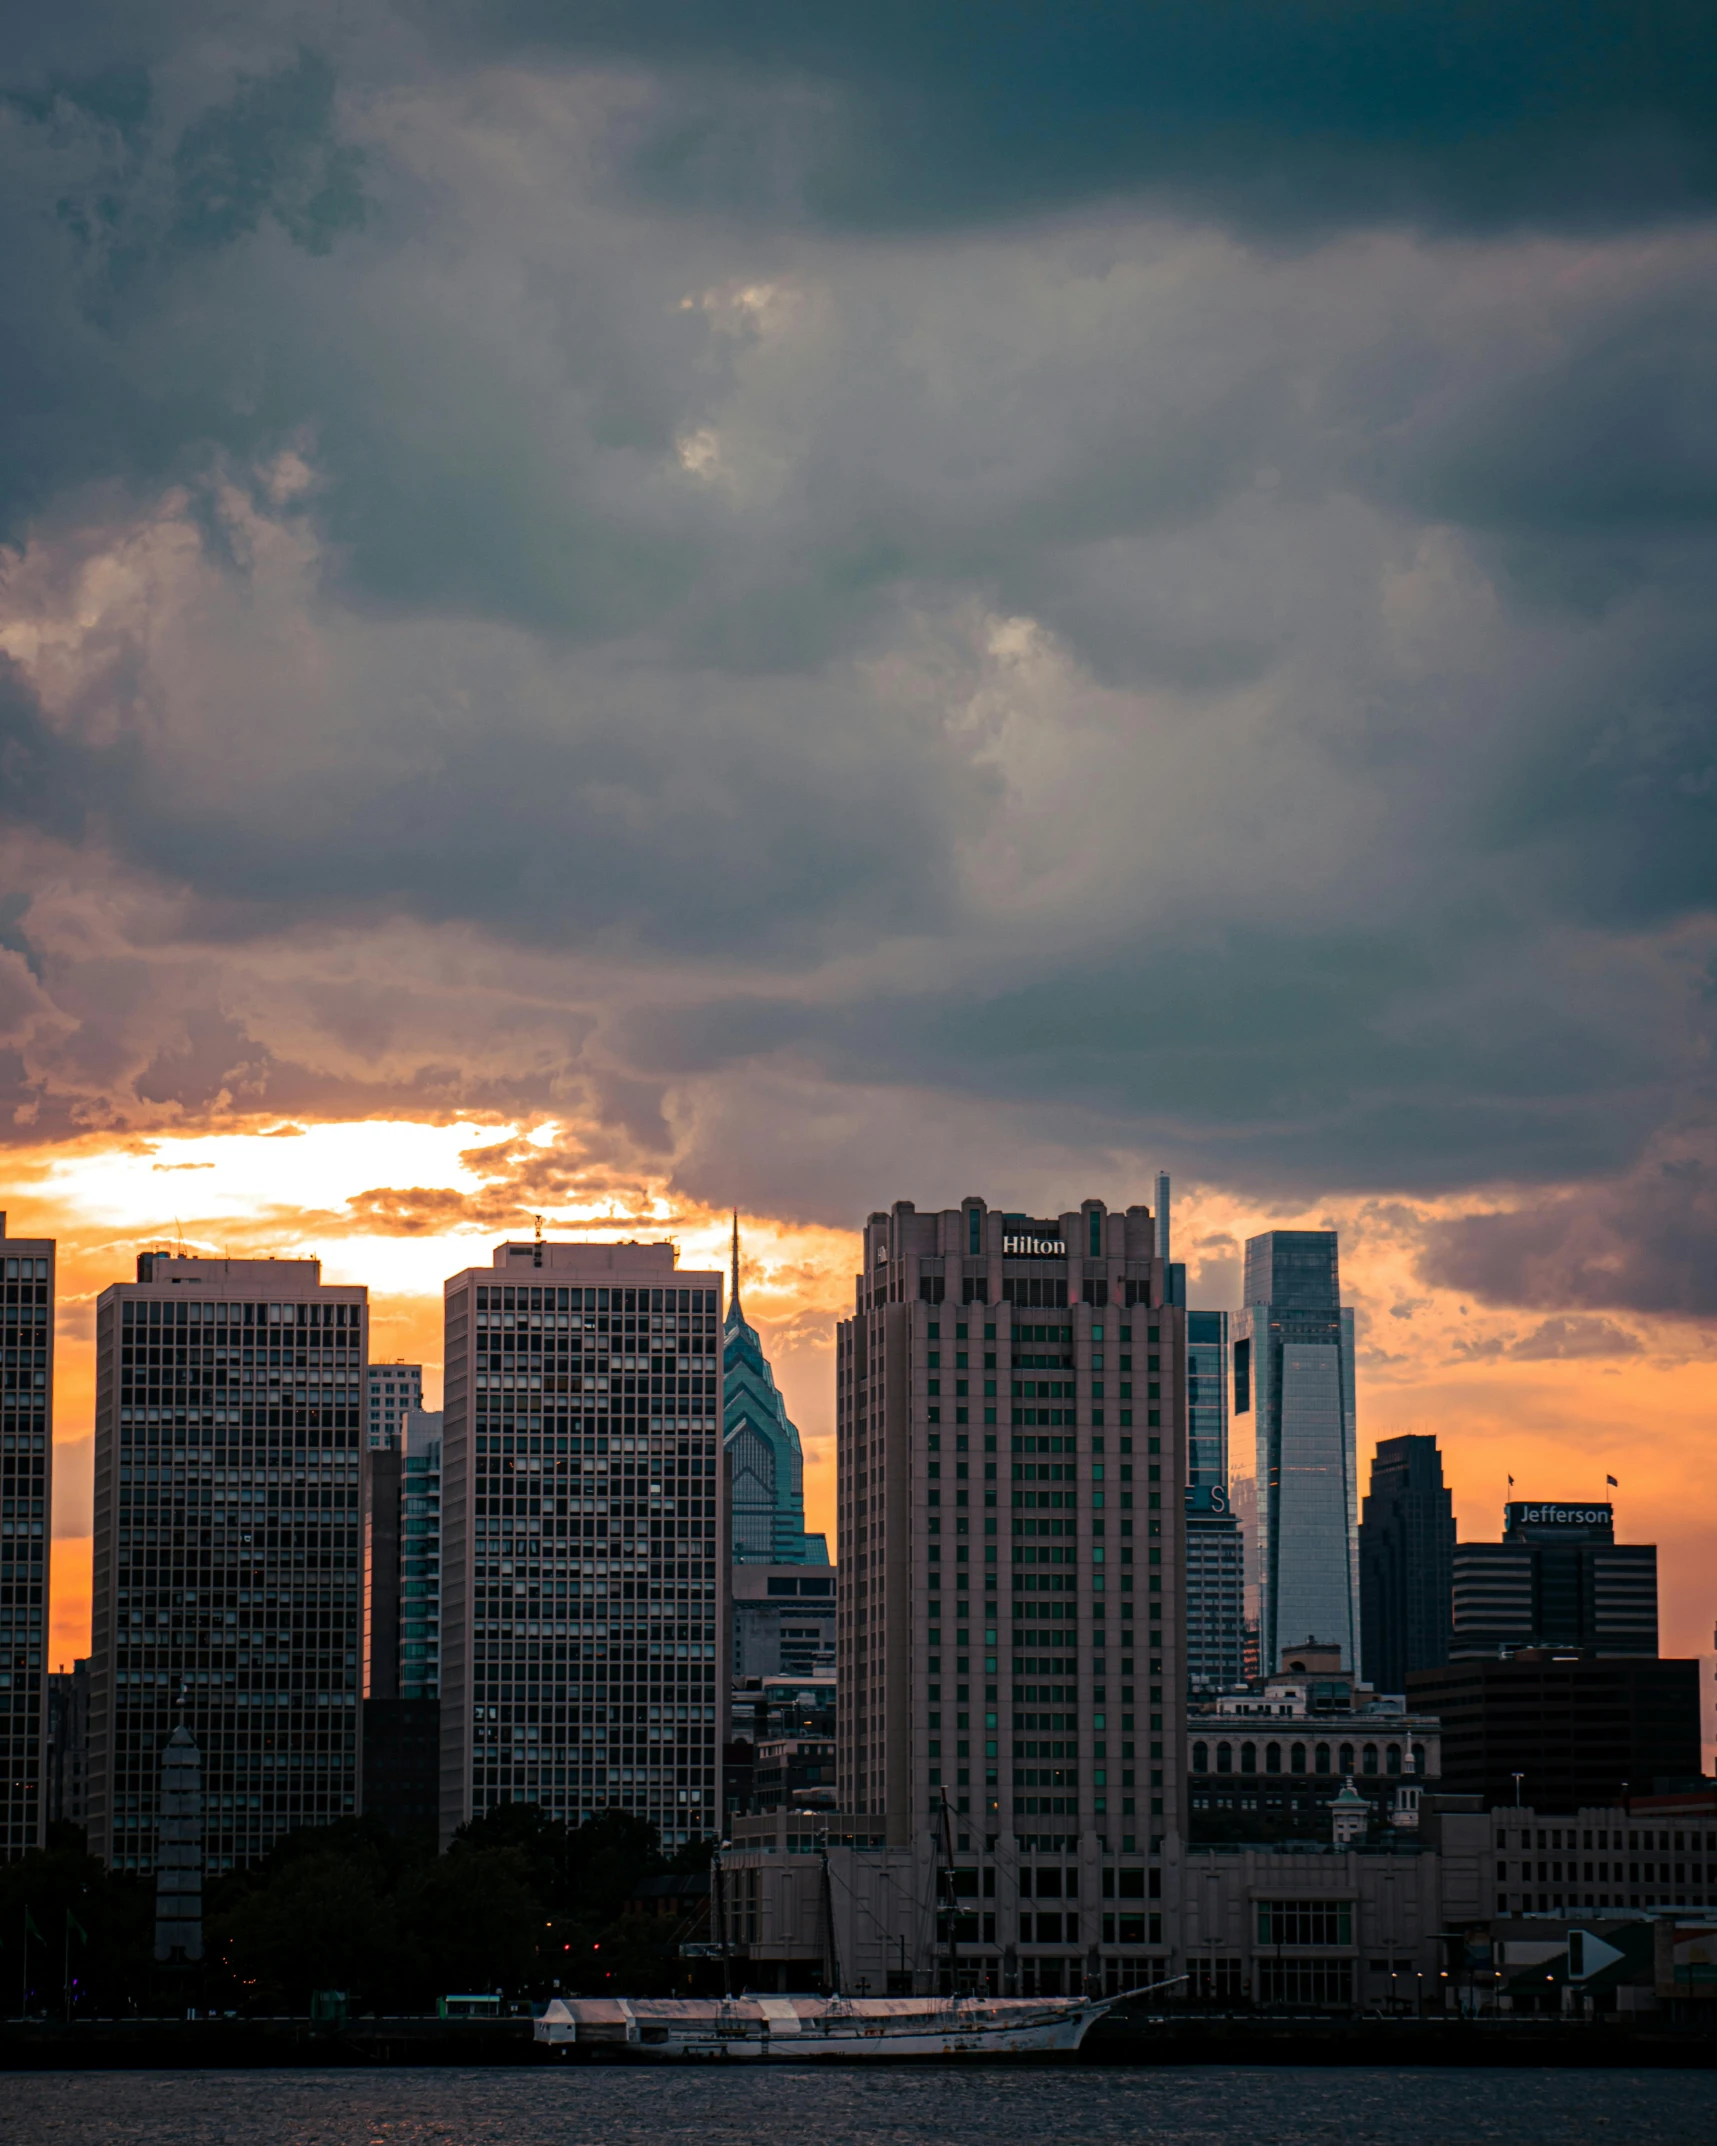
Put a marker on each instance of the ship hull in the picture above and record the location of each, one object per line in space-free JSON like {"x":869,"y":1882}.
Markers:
{"x":805,"y":2034}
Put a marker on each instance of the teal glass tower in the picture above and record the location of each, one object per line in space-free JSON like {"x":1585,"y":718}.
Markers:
{"x":768,"y":1467}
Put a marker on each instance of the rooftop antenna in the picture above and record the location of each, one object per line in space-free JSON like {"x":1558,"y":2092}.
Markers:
{"x":733,"y":1301}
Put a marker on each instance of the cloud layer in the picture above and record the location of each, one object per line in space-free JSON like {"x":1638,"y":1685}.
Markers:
{"x":858,"y":610}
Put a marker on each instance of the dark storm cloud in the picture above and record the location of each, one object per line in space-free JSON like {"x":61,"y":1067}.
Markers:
{"x":609,"y":563}
{"x":1282,"y":112}
{"x":1646,"y":1242}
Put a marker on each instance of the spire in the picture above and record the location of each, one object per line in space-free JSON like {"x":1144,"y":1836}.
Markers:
{"x":733,"y":1297}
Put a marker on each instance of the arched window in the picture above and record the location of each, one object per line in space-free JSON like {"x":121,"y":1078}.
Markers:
{"x":1225,"y":1758}
{"x":1392,"y":1759}
{"x":1297,"y":1761}
{"x":1347,"y":1758}
{"x":1248,"y":1758}
{"x":1272,"y":1758}
{"x":1371,"y":1758}
{"x":1201,"y":1758}
{"x":1323,"y":1758}
{"x":1418,"y":1758}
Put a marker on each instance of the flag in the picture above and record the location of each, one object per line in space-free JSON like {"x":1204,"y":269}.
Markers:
{"x":1614,"y":1485}
{"x":30,"y":1929}
{"x":1511,"y":1482}
{"x":72,"y":1923}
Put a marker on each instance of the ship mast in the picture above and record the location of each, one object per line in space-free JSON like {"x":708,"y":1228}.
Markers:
{"x":946,"y":1889}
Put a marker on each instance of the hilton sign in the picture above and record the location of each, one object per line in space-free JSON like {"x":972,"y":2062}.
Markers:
{"x":1033,"y":1248}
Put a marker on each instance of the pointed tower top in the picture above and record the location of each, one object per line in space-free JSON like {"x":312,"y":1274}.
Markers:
{"x":733,"y":1310}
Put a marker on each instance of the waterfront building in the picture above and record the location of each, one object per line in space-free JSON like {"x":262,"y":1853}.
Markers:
{"x":1558,"y":1578}
{"x":389,"y":1390}
{"x":1563,"y":1728}
{"x":766,"y":1463}
{"x":783,"y":1621}
{"x":1406,"y":1563}
{"x":66,"y":1788}
{"x":228,"y":1435}
{"x":1294,"y":1377}
{"x":27,"y":1492}
{"x":1215,"y":1589}
{"x":584,"y":1611}
{"x":1011,"y":1405}
{"x":1266,"y":1758}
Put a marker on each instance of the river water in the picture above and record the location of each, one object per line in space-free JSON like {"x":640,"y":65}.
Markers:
{"x":1207,"y":2106}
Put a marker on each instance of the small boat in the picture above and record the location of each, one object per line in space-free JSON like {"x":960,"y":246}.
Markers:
{"x":809,"y":2029}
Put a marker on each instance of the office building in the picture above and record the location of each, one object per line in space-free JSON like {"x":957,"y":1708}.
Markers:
{"x":1215,"y":1594}
{"x":766,"y":1464}
{"x":228,"y":1442}
{"x":1293,"y":1376}
{"x":67,"y":1775}
{"x":389,"y":1390}
{"x":402,"y":1626}
{"x":783,"y":1621}
{"x":27,"y":1491}
{"x":783,"y":1749}
{"x":1406,"y":1563}
{"x":584,"y":1611}
{"x":1011,"y":1405}
{"x":1207,"y":1343}
{"x":1558,"y":1578}
{"x":1574,"y":1728}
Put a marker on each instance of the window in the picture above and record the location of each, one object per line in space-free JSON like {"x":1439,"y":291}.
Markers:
{"x":1313,"y":1982}
{"x":1305,"y":1922}
{"x":1272,"y":1758}
{"x":1225,"y":1758}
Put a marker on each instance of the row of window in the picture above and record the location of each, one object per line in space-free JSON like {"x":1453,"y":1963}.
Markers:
{"x":1323,"y":1758}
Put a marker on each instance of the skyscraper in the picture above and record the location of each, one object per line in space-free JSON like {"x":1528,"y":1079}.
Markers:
{"x":402,"y":1626}
{"x":227,"y":1447}
{"x":389,"y":1390}
{"x":584,"y":1615}
{"x":1012,"y":1425}
{"x":1406,"y":1563}
{"x":1293,"y":1374}
{"x":1558,"y":1578}
{"x":1215,"y":1594}
{"x":27,"y":1488}
{"x":766,"y":1464}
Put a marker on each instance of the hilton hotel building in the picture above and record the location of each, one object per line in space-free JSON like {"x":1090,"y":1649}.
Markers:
{"x":1012,"y":1446}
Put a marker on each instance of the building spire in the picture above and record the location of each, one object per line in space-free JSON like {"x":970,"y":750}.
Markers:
{"x":733,"y":1297}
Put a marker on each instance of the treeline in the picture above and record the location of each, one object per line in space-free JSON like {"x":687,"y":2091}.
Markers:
{"x":519,"y":1903}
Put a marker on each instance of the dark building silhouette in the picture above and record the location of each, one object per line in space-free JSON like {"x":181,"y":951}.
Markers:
{"x":402,"y":1764}
{"x":68,"y":1745}
{"x":1558,"y":1578}
{"x":1406,"y":1563}
{"x":1578,"y":1728}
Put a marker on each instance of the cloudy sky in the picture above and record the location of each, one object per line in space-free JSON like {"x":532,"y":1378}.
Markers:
{"x":610,"y":610}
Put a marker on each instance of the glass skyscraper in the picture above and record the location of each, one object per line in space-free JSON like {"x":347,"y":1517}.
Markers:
{"x":1406,"y":1563}
{"x":764,"y":1455}
{"x":1294,"y":1376}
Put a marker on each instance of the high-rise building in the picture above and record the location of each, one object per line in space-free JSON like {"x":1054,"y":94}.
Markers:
{"x":27,"y":1490}
{"x":67,"y":1779}
{"x":783,"y":1621}
{"x":402,"y":1626}
{"x":584,"y":1612}
{"x":1012,"y":1427}
{"x":766,"y":1465}
{"x":1215,"y":1603}
{"x":1558,"y":1578}
{"x":1207,"y":1399}
{"x":1293,"y":1374}
{"x":1406,"y":1563}
{"x":389,"y":1390}
{"x":228,"y":1436}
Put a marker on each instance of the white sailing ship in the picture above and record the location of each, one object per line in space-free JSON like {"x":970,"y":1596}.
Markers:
{"x":801,"y":2030}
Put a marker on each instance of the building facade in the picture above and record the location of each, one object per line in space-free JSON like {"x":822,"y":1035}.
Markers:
{"x":783,"y":1621}
{"x":1294,"y":1379}
{"x":1561,"y":1729}
{"x":1012,"y":1424}
{"x":766,"y":1464}
{"x":1207,"y":1346}
{"x":1558,"y":1578}
{"x":584,"y":1619}
{"x":27,"y":1531}
{"x":1215,"y":1590}
{"x":228,"y":1437}
{"x":1406,"y":1564}
{"x":67,"y":1777}
{"x":389,"y":1390}
{"x":402,"y":1626}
